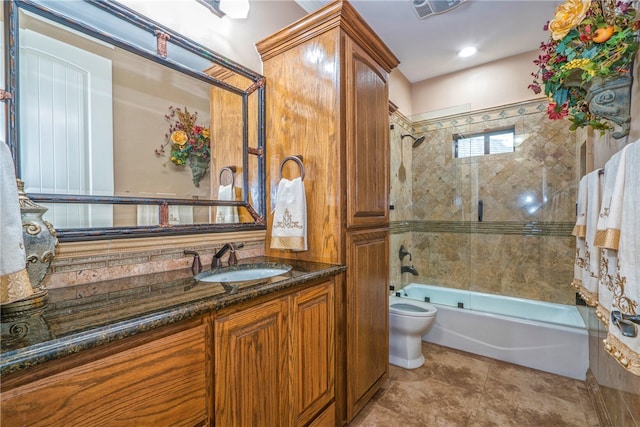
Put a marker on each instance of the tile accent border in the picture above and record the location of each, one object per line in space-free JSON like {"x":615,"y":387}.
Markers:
{"x":533,"y":228}
{"x":482,"y":116}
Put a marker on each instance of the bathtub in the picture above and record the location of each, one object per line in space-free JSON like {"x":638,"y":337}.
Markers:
{"x":545,"y":336}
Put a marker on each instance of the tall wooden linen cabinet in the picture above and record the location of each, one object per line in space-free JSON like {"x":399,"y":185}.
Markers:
{"x":328,"y":101}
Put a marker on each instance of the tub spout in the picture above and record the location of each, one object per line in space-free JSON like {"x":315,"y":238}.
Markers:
{"x":409,"y":269}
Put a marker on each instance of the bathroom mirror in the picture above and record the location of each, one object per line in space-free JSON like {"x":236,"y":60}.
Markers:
{"x":122,"y":127}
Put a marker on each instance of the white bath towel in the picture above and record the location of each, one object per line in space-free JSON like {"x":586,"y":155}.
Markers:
{"x":626,"y":286}
{"x":226,"y":214}
{"x":580,"y":231}
{"x":608,"y":233}
{"x":587,"y":259}
{"x":591,"y":270}
{"x":608,"y":257}
{"x":289,"y":230}
{"x":14,"y":279}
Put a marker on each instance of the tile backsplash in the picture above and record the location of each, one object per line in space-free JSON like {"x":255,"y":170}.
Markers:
{"x":86,"y":262}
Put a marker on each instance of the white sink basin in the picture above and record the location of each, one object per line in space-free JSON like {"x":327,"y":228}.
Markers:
{"x":239,"y":274}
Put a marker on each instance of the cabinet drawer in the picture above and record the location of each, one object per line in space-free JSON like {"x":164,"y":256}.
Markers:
{"x":162,"y":382}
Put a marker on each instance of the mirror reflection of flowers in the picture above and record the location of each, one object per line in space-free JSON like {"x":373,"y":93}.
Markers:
{"x":589,"y":39}
{"x":186,"y":138}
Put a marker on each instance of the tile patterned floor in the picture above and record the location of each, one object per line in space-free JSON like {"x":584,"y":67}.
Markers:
{"x":459,"y":389}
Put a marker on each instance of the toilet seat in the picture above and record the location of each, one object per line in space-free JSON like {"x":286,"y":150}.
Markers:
{"x":410,"y":308}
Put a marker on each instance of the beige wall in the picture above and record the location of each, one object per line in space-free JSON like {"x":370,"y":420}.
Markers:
{"x":497,"y":83}
{"x":400,"y":92}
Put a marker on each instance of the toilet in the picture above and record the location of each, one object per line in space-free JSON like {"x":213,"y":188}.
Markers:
{"x":408,"y":321}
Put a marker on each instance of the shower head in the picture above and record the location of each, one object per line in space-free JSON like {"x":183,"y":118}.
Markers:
{"x":416,"y":141}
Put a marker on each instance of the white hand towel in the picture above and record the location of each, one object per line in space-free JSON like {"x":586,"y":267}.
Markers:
{"x":14,"y":279}
{"x":608,"y":257}
{"x":226,"y":214}
{"x":289,"y":230}
{"x":589,"y":208}
{"x":626,"y":287}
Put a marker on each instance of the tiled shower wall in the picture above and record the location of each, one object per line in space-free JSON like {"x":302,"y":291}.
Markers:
{"x":523,"y":246}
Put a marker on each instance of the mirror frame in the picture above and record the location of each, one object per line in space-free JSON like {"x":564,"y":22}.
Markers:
{"x":11,"y":35}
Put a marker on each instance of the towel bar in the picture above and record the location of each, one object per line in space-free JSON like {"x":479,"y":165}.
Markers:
{"x":298,"y":160}
{"x":231,"y":170}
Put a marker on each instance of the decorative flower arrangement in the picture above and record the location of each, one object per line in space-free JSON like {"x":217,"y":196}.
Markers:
{"x":187,"y":139}
{"x":589,"y":39}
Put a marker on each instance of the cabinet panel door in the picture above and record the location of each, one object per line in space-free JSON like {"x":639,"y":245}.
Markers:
{"x":367,"y":124}
{"x":367,"y":319}
{"x":251,"y":376}
{"x":162,"y":382}
{"x":314,"y":350}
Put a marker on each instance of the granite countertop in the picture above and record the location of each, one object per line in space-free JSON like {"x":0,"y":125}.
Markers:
{"x":80,"y":317}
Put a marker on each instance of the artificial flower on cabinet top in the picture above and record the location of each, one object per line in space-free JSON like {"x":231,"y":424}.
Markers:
{"x":590,"y":41}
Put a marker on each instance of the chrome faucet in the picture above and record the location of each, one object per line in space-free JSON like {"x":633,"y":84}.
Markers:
{"x":233,"y":259}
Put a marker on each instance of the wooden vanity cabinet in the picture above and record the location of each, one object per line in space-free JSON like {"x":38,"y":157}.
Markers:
{"x":265,"y":363}
{"x":327,"y":100}
{"x":275,"y":362}
{"x":154,"y":378}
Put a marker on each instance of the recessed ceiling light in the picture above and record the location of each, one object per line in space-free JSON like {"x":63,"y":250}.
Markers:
{"x":467,"y":51}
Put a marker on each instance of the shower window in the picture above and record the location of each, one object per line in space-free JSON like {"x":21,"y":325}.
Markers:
{"x":479,"y":144}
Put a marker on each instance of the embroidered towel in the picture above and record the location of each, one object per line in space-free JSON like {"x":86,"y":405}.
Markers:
{"x":626,"y":286}
{"x":289,"y":230}
{"x":226,"y":214}
{"x":608,"y":257}
{"x":579,"y":230}
{"x":587,"y":260}
{"x":591,"y":270}
{"x":608,"y":232}
{"x":14,"y":279}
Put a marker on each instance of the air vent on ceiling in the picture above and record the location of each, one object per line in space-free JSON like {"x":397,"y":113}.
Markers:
{"x":426,"y":8}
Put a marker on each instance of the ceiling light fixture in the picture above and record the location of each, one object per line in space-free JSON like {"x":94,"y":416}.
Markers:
{"x":235,"y":9}
{"x":467,"y":51}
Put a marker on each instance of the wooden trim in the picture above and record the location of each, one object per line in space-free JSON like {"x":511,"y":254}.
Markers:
{"x":337,"y":14}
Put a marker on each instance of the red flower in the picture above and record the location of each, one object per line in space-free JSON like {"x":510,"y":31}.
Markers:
{"x":586,"y":35}
{"x":556,"y":112}
{"x":535,"y":88}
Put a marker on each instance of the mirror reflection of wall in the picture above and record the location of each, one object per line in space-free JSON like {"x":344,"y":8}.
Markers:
{"x":122,"y":118}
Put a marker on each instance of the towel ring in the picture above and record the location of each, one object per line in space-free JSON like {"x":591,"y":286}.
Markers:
{"x":231,"y":170}
{"x":298,"y":160}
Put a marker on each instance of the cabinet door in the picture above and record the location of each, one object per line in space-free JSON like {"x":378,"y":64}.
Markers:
{"x":367,"y":318}
{"x":162,"y":382}
{"x":367,"y":124}
{"x":251,"y":375}
{"x":313,"y":350}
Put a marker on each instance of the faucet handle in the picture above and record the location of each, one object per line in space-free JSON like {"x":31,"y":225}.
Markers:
{"x":196,"y":266}
{"x":233,"y":259}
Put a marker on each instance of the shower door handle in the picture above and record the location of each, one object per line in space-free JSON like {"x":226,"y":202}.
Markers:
{"x":480,"y":208}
